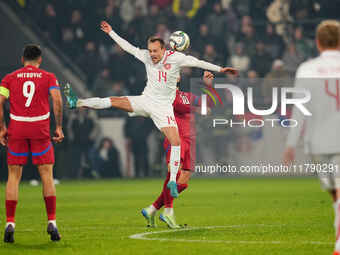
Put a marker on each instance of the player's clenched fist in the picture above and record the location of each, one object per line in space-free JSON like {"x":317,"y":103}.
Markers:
{"x":208,"y":77}
{"x":58,"y":135}
{"x":3,"y":136}
{"x":106,"y":27}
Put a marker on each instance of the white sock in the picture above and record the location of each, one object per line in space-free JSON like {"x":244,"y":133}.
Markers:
{"x":10,"y":223}
{"x":95,"y":103}
{"x":53,"y":222}
{"x":152,"y":209}
{"x":169,"y":211}
{"x":175,"y":157}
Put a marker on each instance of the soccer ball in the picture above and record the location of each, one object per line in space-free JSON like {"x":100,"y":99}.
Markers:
{"x":179,"y":41}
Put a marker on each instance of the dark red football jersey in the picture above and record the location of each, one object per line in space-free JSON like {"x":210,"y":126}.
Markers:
{"x":184,"y":107}
{"x":28,"y":90}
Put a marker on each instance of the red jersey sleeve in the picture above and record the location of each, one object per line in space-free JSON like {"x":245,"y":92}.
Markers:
{"x":5,"y":86}
{"x":186,"y":102}
{"x":53,"y":82}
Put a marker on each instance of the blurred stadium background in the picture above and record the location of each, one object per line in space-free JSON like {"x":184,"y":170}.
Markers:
{"x":264,"y":39}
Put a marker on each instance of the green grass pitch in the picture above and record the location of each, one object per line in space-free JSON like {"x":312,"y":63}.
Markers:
{"x":225,"y":216}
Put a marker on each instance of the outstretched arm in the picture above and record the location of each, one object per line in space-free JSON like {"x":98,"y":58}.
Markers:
{"x":125,"y":45}
{"x":191,"y":61}
{"x":58,"y":114}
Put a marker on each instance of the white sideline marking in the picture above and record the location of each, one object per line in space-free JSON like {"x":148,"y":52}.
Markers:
{"x":144,"y":236}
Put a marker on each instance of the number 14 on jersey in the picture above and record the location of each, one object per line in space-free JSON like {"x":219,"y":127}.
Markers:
{"x":161,"y":76}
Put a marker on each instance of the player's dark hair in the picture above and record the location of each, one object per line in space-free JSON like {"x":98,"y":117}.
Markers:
{"x":31,"y":52}
{"x":153,"y":39}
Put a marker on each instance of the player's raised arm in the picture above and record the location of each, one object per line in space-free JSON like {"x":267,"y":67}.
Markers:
{"x":58,"y":114}
{"x":191,"y":61}
{"x":125,"y":45}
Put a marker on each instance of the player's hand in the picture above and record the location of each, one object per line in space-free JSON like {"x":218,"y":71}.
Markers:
{"x":58,"y":135}
{"x":106,"y":27}
{"x":208,"y":77}
{"x":3,"y":136}
{"x":230,"y":70}
{"x":289,"y":156}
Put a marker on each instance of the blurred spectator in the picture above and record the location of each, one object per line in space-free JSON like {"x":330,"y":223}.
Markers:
{"x":137,"y":143}
{"x":105,"y":161}
{"x":127,"y":10}
{"x":186,"y":8}
{"x":117,"y":89}
{"x":111,"y":15}
{"x":261,"y":61}
{"x":68,"y":46}
{"x":203,"y":38}
{"x":217,"y":21}
{"x":211,"y":55}
{"x":274,"y":43}
{"x":242,"y":7}
{"x":292,"y":58}
{"x":246,"y":21}
{"x":163,"y":32}
{"x":50,"y":23}
{"x":248,"y":38}
{"x":102,"y":83}
{"x":78,"y":27}
{"x":151,"y":21}
{"x":253,"y":82}
{"x":162,"y":3}
{"x":83,"y":129}
{"x":278,"y":13}
{"x":277,"y":77}
{"x":121,"y":65}
{"x":136,"y":32}
{"x":186,"y":75}
{"x":239,"y":60}
{"x":303,"y":46}
{"x":89,"y":62}
{"x":200,"y":16}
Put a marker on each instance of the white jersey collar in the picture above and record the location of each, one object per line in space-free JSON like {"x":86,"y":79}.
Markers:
{"x":328,"y":53}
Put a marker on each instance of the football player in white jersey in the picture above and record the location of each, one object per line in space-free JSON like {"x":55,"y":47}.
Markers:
{"x":163,"y":70}
{"x":321,"y":77}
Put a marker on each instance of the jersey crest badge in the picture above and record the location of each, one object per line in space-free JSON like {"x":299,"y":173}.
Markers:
{"x":167,"y":66}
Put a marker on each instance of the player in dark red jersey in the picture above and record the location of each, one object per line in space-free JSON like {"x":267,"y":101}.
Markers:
{"x":185,"y":105}
{"x":28,"y":91}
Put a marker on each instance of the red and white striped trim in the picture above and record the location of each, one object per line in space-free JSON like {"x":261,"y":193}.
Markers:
{"x":30,"y":119}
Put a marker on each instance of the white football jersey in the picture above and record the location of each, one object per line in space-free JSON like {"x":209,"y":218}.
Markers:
{"x":321,"y":132}
{"x":162,"y":77}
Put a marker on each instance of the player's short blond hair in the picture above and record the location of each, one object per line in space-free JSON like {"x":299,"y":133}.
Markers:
{"x":328,"y":34}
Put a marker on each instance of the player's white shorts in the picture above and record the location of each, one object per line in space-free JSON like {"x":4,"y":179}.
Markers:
{"x":330,"y":166}
{"x":161,"y":114}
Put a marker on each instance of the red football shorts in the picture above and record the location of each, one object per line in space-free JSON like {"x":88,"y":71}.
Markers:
{"x":18,"y":151}
{"x":188,"y":153}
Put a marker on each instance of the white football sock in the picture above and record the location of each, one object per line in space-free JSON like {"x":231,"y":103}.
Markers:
{"x":10,"y":223}
{"x":175,"y":157}
{"x":95,"y":103}
{"x":53,"y":222}
{"x":169,"y":211}
{"x":152,"y":209}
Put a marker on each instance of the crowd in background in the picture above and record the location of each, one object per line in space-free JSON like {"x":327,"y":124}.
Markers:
{"x":263,"y":39}
{"x":249,"y":35}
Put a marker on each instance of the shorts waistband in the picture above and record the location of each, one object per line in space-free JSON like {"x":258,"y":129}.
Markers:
{"x":30,"y":119}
